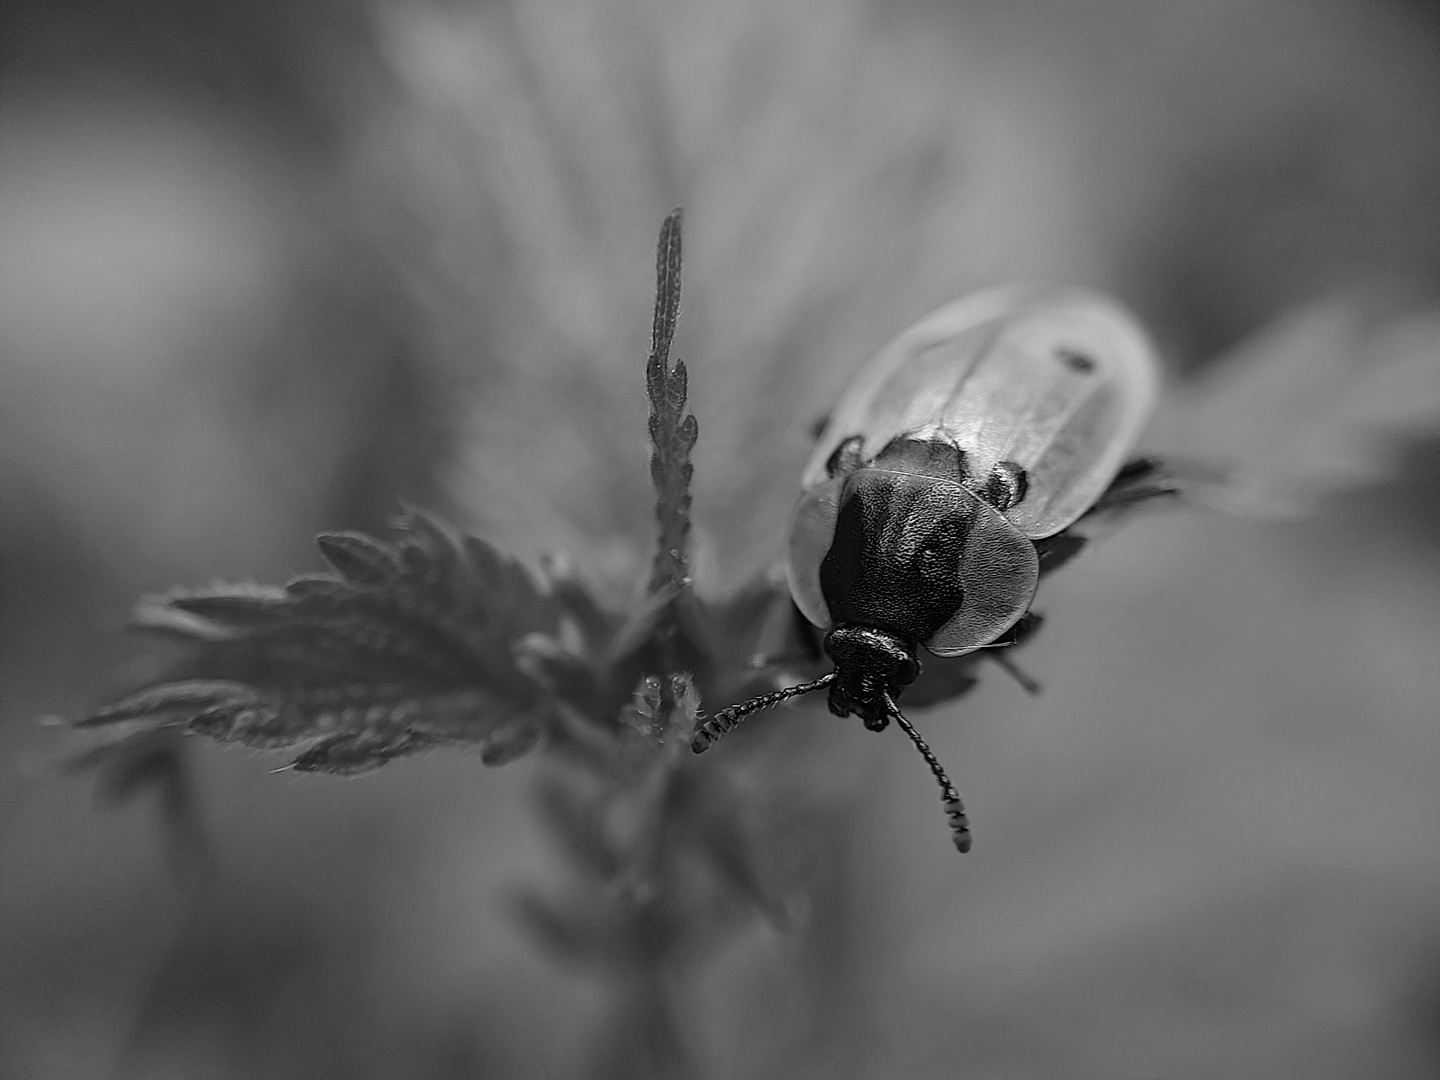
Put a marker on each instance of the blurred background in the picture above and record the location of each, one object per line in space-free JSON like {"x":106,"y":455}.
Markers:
{"x":270,"y":269}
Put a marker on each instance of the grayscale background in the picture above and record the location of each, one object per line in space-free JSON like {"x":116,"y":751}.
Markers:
{"x":268,"y":269}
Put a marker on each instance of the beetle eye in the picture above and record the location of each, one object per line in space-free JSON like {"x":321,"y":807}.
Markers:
{"x":906,"y":671}
{"x":847,"y":457}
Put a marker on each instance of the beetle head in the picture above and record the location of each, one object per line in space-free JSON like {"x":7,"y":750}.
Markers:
{"x":869,"y":664}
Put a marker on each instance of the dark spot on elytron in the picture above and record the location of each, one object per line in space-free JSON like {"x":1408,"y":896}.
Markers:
{"x":1075,"y":360}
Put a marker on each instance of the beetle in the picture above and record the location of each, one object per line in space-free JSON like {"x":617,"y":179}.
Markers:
{"x":949,"y":469}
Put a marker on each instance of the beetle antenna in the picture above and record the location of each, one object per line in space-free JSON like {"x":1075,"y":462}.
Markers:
{"x":954,"y":808}
{"x":709,"y":733}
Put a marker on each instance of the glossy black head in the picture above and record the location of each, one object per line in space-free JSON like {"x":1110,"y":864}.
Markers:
{"x":869,"y":663}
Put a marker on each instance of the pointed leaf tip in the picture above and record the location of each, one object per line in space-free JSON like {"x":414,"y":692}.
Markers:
{"x":667,"y":284}
{"x":360,"y":558}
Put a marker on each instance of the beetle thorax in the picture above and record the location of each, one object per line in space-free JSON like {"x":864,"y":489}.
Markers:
{"x":869,"y":663}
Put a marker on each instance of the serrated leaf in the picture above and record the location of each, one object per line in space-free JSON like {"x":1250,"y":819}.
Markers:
{"x":509,"y":742}
{"x":358,"y":752}
{"x":360,"y":559}
{"x":431,"y":550}
{"x":408,"y":645}
{"x":318,"y":585}
{"x":672,"y":431}
{"x":176,"y":698}
{"x":234,"y":605}
{"x":1319,"y":402}
{"x":386,"y":714}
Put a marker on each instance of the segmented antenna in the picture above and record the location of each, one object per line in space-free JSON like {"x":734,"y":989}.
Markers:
{"x":709,"y":733}
{"x":954,"y":808}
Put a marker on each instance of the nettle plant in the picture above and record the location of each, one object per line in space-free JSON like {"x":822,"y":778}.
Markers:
{"x":436,"y":639}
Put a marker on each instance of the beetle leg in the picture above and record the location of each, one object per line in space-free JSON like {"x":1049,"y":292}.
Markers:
{"x":1026,"y":627}
{"x":1128,"y":498}
{"x":1139,"y":481}
{"x":1135,"y":469}
{"x":817,"y":426}
{"x":1055,"y":551}
{"x":1014,"y":670}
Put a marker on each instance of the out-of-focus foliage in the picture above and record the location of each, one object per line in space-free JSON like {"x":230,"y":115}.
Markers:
{"x":403,"y":647}
{"x":259,"y":266}
{"x":1321,"y":403}
{"x":672,"y":431}
{"x":439,"y":639}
